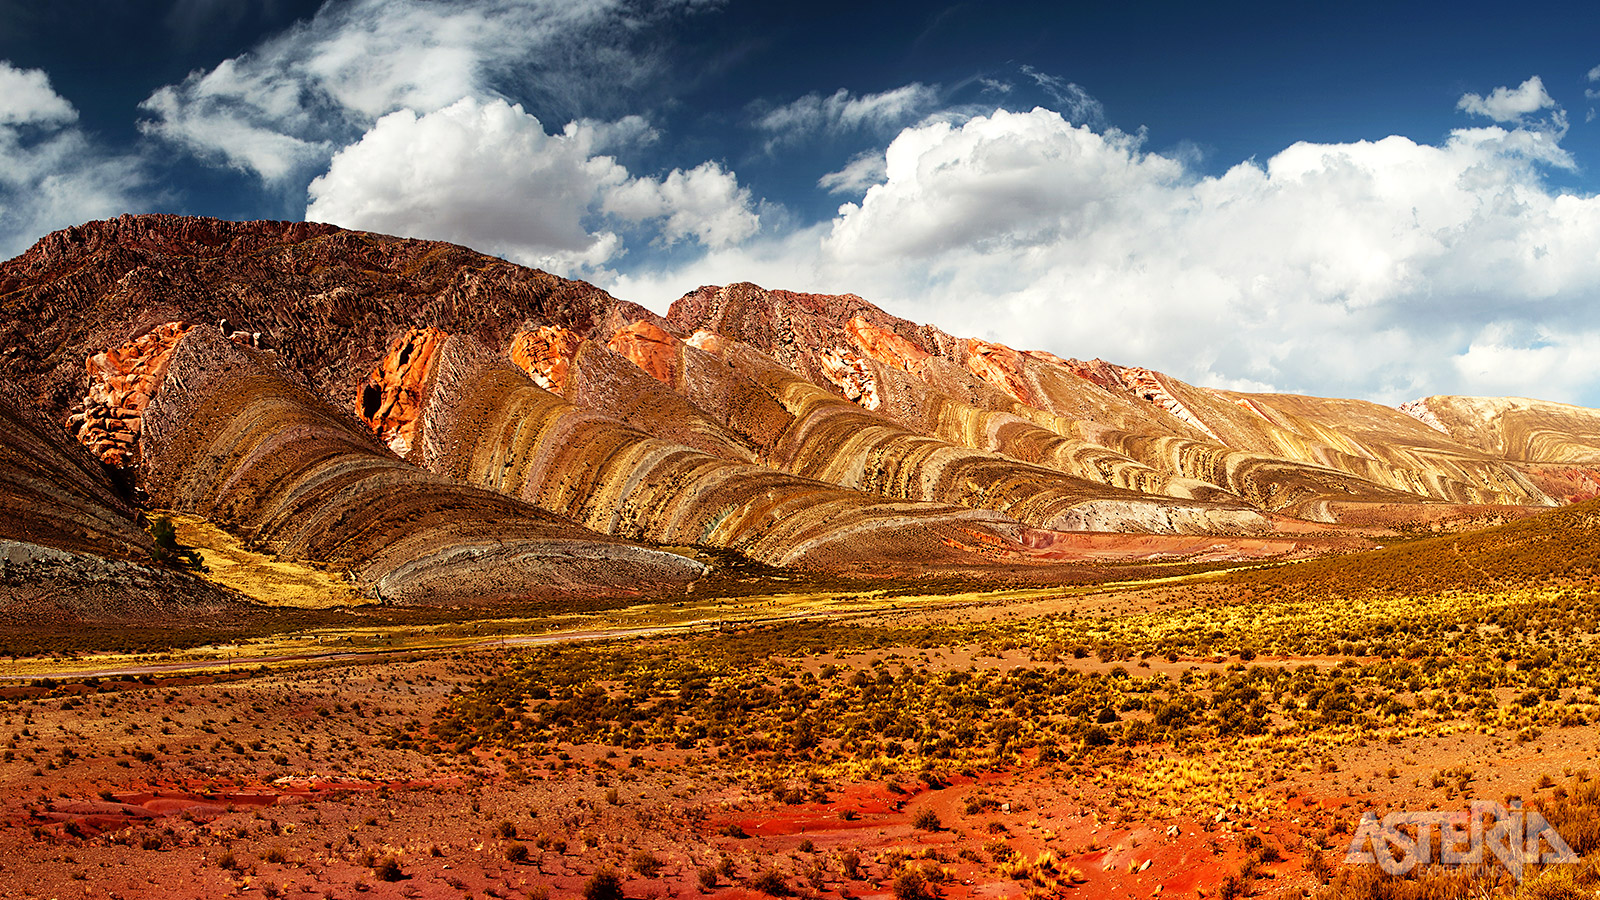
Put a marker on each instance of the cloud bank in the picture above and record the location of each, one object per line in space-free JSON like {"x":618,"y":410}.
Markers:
{"x":289,"y":104}
{"x":1385,"y":269}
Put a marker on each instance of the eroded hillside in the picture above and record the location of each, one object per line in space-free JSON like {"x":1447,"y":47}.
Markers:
{"x":1122,"y":426}
{"x":72,"y":549}
{"x":391,"y":408}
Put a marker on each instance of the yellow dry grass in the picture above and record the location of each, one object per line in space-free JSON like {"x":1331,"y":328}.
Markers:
{"x":262,"y":577}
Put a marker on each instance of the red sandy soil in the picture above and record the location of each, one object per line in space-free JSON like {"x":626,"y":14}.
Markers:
{"x":278,"y":784}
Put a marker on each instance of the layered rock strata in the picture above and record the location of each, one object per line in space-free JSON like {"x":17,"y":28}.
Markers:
{"x":229,"y":438}
{"x":72,"y":550}
{"x":490,"y":425}
{"x":1120,"y":426}
{"x":786,"y":425}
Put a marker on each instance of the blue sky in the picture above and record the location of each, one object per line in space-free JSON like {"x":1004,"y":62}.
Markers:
{"x":1380,"y":200}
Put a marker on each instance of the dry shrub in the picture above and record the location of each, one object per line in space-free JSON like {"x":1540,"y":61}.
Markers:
{"x":1426,"y":883}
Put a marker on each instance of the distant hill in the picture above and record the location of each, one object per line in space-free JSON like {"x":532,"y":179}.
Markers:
{"x":1559,"y":548}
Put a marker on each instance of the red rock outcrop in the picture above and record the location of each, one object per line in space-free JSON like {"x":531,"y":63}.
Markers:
{"x":391,"y":399}
{"x":885,"y":346}
{"x":648,"y":347}
{"x":121,"y":381}
{"x":1569,"y":484}
{"x":706,"y":341}
{"x":327,"y":300}
{"x":546,"y":354}
{"x":1098,"y":372}
{"x":793,"y":327}
{"x":1045,"y":356}
{"x":997,"y":364}
{"x":1149,"y":385}
{"x":852,"y":375}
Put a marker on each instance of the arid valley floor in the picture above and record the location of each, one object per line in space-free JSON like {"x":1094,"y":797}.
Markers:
{"x":1207,"y":734}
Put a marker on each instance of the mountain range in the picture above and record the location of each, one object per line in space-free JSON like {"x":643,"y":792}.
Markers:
{"x":442,"y":427}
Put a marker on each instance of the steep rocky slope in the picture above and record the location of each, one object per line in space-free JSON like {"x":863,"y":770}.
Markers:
{"x":729,"y":400}
{"x":56,"y":495}
{"x":831,"y":439}
{"x":1515,"y":428}
{"x":1555,"y":445}
{"x":71,"y":549}
{"x":327,"y":301}
{"x":229,"y":437}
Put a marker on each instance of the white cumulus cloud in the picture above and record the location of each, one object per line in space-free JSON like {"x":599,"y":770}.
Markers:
{"x":1509,"y":104}
{"x":393,"y":114}
{"x":1007,"y":180}
{"x":486,"y":174}
{"x":1378,"y":269}
{"x":705,"y":203}
{"x":209,"y":116}
{"x":283,"y":108}
{"x":26,"y":98}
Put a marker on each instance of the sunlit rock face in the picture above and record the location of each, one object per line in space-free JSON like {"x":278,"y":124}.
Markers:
{"x":885,"y":346}
{"x":999,"y":365}
{"x":390,"y":401}
{"x":120,"y":382}
{"x":851,"y":374}
{"x":831,"y":439}
{"x":1515,"y":428}
{"x":328,"y":302}
{"x":649,"y":347}
{"x":1556,"y":445}
{"x":488,"y":424}
{"x":545,"y":354}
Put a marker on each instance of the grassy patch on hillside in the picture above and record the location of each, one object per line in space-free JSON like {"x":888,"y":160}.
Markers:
{"x":262,"y":577}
